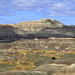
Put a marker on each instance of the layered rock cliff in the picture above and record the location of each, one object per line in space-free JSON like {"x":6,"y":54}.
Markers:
{"x":9,"y":34}
{"x":42,"y":29}
{"x":45,"y":44}
{"x":38,"y":34}
{"x":70,"y":70}
{"x":35,"y":26}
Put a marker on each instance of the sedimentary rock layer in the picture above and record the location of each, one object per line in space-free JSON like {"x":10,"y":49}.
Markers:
{"x":49,"y":44}
{"x":70,"y":70}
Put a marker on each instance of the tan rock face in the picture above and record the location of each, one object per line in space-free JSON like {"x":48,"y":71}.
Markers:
{"x":49,"y":44}
{"x":42,"y":29}
{"x":70,"y":70}
{"x":34,"y":26}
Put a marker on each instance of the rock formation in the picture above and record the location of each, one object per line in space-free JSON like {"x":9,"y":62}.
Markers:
{"x":43,"y":29}
{"x":45,"y":34}
{"x":9,"y":34}
{"x":39,"y":34}
{"x":34,"y":26}
{"x":70,"y":70}
{"x":45,"y":44}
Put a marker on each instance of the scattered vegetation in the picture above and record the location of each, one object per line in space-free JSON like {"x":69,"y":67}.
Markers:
{"x":5,"y":67}
{"x":29,"y":59}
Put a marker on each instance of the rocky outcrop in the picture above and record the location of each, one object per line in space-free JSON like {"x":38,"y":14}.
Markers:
{"x":60,"y":32}
{"x":37,"y":35}
{"x":9,"y":34}
{"x":70,"y":70}
{"x":42,"y":29}
{"x":35,"y":26}
{"x":45,"y":44}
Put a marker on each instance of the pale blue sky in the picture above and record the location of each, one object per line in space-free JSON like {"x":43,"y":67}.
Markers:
{"x":15,"y":11}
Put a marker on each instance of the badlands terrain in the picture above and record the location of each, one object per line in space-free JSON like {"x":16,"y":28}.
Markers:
{"x":44,"y":47}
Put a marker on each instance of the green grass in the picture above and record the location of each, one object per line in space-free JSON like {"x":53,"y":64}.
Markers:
{"x":66,"y":58}
{"x":5,"y":67}
{"x":37,"y":59}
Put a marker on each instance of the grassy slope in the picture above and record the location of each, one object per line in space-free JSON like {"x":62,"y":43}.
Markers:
{"x":5,"y":67}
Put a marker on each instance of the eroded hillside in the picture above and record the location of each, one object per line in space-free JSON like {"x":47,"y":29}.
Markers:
{"x":44,"y":47}
{"x":45,"y":44}
{"x":42,"y":29}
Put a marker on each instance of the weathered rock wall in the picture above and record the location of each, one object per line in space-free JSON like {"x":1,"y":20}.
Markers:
{"x":45,"y":44}
{"x":42,"y":29}
{"x":34,"y":26}
{"x":70,"y":70}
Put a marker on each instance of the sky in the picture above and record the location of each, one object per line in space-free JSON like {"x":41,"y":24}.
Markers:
{"x":15,"y":11}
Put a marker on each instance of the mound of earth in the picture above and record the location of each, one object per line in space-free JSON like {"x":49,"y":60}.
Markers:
{"x":48,"y":69}
{"x":69,"y":70}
